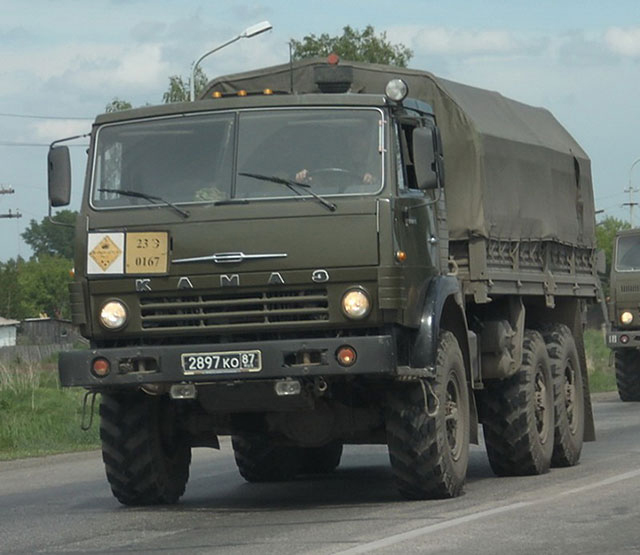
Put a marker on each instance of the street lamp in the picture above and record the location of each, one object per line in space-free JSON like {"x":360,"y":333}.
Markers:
{"x":246,"y":34}
{"x":630,"y":190}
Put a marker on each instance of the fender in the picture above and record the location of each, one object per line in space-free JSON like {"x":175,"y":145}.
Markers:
{"x":441,"y":291}
{"x":425,"y":342}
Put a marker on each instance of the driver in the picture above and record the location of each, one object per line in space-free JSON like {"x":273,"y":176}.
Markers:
{"x":358,"y":158}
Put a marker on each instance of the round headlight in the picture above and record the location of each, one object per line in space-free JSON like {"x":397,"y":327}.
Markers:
{"x":113,"y":315}
{"x":356,"y":304}
{"x":396,"y":90}
{"x":626,"y":317}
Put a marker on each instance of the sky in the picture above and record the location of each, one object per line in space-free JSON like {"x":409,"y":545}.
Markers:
{"x":63,"y":61}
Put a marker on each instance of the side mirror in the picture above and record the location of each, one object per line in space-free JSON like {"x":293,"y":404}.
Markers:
{"x":425,"y":158}
{"x":59,"y":174}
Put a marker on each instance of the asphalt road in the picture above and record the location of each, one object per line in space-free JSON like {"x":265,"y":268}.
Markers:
{"x":63,"y":504}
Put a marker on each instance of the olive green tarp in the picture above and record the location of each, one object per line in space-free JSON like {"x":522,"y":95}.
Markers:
{"x":512,"y":171}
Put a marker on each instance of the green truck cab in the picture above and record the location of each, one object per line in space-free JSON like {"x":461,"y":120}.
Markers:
{"x":314,"y":255}
{"x":624,"y":313}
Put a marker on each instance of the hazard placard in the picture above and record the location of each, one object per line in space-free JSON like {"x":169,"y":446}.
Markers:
{"x":105,"y":253}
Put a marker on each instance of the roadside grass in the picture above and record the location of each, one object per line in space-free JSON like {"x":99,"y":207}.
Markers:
{"x":601,"y":375}
{"x":37,"y":416}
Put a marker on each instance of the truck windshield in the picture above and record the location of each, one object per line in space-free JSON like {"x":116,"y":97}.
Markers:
{"x":628,"y":254}
{"x":209,"y":157}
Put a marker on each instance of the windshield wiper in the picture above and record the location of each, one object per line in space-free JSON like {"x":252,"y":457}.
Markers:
{"x":291,"y":184}
{"x":136,"y":194}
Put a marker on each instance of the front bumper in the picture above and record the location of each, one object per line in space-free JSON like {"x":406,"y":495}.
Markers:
{"x":625,"y":339}
{"x":134,"y":366}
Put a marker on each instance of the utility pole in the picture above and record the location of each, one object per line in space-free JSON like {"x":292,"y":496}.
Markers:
{"x":630,"y":204}
{"x":9,"y":191}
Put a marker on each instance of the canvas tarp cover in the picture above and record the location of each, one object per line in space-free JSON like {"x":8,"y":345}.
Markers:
{"x":512,"y":171}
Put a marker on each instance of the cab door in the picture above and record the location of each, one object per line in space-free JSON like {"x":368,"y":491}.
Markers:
{"x":416,"y":210}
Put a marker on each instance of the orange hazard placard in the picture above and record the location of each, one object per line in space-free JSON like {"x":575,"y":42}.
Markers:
{"x":105,"y":253}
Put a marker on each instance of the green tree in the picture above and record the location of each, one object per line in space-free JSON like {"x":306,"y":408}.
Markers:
{"x":354,"y":45}
{"x":9,"y":289}
{"x":117,"y":105}
{"x":48,"y":238}
{"x":43,"y":286}
{"x":179,"y":88}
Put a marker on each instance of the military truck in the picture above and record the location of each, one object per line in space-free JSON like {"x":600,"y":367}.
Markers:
{"x":324,"y":253}
{"x":624,"y":313}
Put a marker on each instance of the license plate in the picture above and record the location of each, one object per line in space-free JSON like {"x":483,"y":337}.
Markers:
{"x":221,"y":362}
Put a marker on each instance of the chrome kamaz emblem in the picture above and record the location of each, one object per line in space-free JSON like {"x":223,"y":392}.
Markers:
{"x":320,"y":276}
{"x":230,"y":281}
{"x":276,"y":279}
{"x":185,"y":283}
{"x":143,"y":285}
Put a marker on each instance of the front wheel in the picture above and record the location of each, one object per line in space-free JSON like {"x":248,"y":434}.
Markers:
{"x":428,"y":428}
{"x":628,"y":374}
{"x":145,"y":455}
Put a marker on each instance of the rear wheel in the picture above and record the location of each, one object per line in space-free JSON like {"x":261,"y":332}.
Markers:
{"x":518,"y":417}
{"x":428,"y":428}
{"x":259,"y":460}
{"x":145,"y":455}
{"x":320,"y":460}
{"x":628,"y":374}
{"x":568,"y":395}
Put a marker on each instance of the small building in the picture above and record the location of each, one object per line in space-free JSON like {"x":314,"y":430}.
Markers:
{"x":47,"y":331}
{"x":8,"y":332}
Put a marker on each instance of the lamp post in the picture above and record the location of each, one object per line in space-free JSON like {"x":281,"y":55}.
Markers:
{"x":246,"y":34}
{"x":630,"y":190}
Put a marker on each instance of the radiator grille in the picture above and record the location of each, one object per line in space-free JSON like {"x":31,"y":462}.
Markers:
{"x":256,"y":310}
{"x":630,"y":288}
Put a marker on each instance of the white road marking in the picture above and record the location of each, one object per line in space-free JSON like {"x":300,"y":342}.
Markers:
{"x":425,"y":530}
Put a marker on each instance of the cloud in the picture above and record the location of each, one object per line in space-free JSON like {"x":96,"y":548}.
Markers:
{"x":623,"y":41}
{"x":441,"y":40}
{"x":52,"y":130}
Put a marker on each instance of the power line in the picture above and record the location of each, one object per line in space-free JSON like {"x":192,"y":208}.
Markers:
{"x":30,"y":116}
{"x":12,"y":143}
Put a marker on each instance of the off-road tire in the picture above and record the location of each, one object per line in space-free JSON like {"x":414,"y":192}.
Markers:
{"x":518,"y":417}
{"x":146,"y":457}
{"x":428,"y":428}
{"x":259,"y":460}
{"x":568,"y":392}
{"x":627,"y":362}
{"x":320,"y":460}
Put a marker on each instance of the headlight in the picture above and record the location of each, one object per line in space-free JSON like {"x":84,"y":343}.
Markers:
{"x":113,"y":315}
{"x":626,"y":317}
{"x":356,"y":304}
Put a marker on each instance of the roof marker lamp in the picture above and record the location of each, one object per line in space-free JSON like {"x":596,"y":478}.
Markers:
{"x":396,"y":90}
{"x":113,"y":315}
{"x":249,"y":32}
